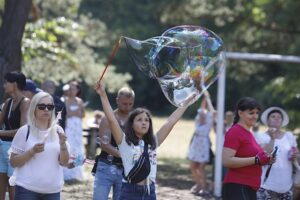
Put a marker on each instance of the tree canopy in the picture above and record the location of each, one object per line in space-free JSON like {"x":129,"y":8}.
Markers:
{"x":73,"y":39}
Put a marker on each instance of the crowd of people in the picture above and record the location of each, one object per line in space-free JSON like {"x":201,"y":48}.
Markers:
{"x":41,"y":142}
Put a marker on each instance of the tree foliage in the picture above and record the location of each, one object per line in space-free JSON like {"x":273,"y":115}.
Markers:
{"x":64,"y":48}
{"x":261,"y":26}
{"x":73,"y":39}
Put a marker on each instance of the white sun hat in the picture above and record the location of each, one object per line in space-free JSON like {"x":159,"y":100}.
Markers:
{"x":264,"y":116}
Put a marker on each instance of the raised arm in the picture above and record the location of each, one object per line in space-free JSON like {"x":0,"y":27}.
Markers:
{"x":164,"y":131}
{"x":109,"y":113}
{"x":210,"y":107}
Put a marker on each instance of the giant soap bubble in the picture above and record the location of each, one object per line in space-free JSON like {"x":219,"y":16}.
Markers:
{"x":185,"y":60}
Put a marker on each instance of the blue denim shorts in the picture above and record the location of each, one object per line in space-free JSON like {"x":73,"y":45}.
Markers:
{"x":24,"y":194}
{"x":137,"y":192}
{"x":5,"y":166}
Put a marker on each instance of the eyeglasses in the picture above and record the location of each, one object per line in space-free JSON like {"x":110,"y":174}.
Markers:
{"x":44,"y":106}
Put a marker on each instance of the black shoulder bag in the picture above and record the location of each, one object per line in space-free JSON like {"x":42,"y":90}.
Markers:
{"x":141,"y":169}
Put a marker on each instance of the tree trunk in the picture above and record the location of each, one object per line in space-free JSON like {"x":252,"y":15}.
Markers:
{"x":11,"y":32}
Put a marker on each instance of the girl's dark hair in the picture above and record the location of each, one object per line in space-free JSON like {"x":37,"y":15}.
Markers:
{"x":246,"y":103}
{"x":130,"y":134}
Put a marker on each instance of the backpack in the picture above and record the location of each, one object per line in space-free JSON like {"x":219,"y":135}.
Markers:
{"x":141,"y":169}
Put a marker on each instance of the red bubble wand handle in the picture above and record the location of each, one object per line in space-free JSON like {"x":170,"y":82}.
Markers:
{"x":117,"y":45}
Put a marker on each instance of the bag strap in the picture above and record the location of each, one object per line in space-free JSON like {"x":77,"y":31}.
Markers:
{"x":145,"y":153}
{"x":94,"y":169}
{"x":145,"y":149}
{"x":27,"y":135}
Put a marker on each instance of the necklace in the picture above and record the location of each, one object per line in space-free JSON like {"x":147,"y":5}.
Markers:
{"x":120,"y":120}
{"x":122,"y":123}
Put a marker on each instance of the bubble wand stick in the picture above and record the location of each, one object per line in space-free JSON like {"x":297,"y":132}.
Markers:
{"x":117,"y":45}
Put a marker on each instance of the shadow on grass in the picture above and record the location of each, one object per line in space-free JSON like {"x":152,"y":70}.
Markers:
{"x":174,"y":173}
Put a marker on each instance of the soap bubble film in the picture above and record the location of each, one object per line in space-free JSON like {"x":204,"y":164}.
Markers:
{"x":185,"y":60}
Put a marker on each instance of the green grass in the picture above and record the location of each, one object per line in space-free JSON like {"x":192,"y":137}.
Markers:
{"x":176,"y":144}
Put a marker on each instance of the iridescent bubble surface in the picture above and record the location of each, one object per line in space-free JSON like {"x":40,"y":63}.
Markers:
{"x":185,"y":60}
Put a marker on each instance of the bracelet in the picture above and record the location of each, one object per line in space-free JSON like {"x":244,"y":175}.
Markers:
{"x":256,"y":160}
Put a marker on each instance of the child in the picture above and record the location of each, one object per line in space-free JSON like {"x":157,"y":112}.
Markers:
{"x":138,"y":133}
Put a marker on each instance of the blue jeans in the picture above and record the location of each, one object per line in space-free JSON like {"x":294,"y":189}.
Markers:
{"x":24,"y":194}
{"x":107,"y":176}
{"x":132,"y":191}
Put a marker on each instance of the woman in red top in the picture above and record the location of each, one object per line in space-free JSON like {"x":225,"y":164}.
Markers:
{"x":242,"y":155}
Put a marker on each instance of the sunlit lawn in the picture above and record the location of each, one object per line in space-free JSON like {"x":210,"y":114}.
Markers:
{"x":176,"y":144}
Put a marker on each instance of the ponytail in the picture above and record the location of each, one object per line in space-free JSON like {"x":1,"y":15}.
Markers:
{"x":246,"y":103}
{"x":236,"y":118}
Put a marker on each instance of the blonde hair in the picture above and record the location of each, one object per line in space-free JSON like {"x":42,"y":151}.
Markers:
{"x":31,"y":118}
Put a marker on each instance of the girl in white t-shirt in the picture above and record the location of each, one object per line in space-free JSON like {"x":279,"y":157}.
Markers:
{"x":138,"y":132}
{"x":38,"y":153}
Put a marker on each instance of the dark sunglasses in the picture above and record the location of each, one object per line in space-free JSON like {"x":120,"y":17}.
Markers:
{"x":44,"y":106}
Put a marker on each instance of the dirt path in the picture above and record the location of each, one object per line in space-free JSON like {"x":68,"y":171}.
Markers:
{"x":173,"y":182}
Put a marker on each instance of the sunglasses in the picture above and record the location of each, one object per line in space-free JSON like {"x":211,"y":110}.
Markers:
{"x":44,"y":106}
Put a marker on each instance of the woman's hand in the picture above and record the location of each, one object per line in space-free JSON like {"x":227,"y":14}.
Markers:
{"x":99,"y":88}
{"x":64,"y":154}
{"x":62,"y":138}
{"x":37,"y":148}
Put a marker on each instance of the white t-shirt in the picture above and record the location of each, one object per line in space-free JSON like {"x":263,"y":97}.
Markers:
{"x":280,"y":177}
{"x":130,"y":155}
{"x":42,"y":173}
{"x":261,"y":138}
